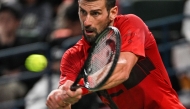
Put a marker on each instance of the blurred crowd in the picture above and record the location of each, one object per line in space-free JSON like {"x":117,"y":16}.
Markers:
{"x":56,"y":23}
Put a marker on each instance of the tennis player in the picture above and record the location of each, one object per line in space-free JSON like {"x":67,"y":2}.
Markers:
{"x":140,"y":82}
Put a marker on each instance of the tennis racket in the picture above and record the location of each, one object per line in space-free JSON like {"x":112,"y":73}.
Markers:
{"x":101,"y":60}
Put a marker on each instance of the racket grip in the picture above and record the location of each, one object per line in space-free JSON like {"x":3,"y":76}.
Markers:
{"x":73,"y":88}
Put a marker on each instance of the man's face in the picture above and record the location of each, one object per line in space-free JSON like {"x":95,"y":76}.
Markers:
{"x":94,"y":18}
{"x":8,"y":23}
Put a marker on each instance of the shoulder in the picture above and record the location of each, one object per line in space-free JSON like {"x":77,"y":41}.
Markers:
{"x":79,"y":49}
{"x":129,"y":21}
{"x":128,"y":18}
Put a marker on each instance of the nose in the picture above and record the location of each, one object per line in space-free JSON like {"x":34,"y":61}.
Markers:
{"x":87,"y":21}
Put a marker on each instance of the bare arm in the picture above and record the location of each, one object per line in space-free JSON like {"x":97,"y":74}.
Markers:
{"x":63,"y":97}
{"x":121,"y":73}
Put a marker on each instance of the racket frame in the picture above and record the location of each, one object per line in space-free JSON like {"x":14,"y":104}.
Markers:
{"x":84,"y":75}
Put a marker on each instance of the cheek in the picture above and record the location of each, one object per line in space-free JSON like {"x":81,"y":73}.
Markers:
{"x":81,"y":18}
{"x":102,"y":26}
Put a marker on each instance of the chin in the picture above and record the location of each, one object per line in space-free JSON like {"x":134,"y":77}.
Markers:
{"x":89,"y":39}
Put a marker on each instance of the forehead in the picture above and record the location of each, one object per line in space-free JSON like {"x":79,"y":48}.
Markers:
{"x":92,"y":4}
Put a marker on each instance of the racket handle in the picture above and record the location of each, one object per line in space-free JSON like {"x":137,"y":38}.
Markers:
{"x":73,"y":88}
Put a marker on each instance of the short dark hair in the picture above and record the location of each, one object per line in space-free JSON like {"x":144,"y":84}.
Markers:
{"x":15,"y":12}
{"x":109,"y":3}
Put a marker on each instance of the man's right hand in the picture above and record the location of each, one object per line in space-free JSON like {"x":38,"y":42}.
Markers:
{"x":55,"y":100}
{"x":63,"y":97}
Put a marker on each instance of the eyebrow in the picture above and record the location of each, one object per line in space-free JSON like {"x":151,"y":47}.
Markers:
{"x":91,"y":10}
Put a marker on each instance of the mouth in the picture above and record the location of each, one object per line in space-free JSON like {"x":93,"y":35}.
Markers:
{"x":89,"y":32}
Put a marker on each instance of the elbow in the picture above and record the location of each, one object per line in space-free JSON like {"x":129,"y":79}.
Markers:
{"x":123,"y":78}
{"x":126,"y":77}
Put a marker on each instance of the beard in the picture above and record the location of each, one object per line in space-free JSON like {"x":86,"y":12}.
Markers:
{"x":92,"y":39}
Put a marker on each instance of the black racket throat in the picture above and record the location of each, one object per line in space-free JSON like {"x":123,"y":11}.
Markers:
{"x":81,"y":75}
{"x":103,"y":56}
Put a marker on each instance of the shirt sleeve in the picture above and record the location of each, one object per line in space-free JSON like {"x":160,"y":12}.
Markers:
{"x":73,"y":60}
{"x":70,"y":66}
{"x":132,"y":30}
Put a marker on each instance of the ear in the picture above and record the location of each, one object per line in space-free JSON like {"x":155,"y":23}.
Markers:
{"x":113,"y":13}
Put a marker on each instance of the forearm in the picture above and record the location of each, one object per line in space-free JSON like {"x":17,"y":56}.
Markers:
{"x":119,"y":75}
{"x":122,"y":71}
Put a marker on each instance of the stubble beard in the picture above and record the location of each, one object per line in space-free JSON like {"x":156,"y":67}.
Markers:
{"x":92,"y":39}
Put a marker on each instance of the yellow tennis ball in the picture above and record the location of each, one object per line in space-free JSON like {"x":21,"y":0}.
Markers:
{"x":36,"y":62}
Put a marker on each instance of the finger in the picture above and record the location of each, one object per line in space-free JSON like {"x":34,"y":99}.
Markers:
{"x":72,"y":100}
{"x":73,"y":96}
{"x":64,"y":104}
{"x":67,"y":85}
{"x":49,"y":106}
{"x":66,"y":107}
{"x":56,"y":106}
{"x":49,"y":103}
{"x":63,"y":99}
{"x":68,"y":100}
{"x":52,"y":104}
{"x":54,"y":98}
{"x":69,"y":96}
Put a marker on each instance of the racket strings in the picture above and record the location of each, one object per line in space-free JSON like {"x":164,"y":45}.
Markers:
{"x":103,"y":53}
{"x":101,"y":59}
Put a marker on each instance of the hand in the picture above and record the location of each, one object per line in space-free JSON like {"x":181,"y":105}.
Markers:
{"x":71,"y":97}
{"x":55,"y":100}
{"x":63,"y":97}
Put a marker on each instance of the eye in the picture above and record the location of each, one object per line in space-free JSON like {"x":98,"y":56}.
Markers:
{"x":83,"y":12}
{"x":95,"y":13}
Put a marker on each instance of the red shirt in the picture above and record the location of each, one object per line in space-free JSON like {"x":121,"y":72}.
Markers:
{"x":148,"y":86}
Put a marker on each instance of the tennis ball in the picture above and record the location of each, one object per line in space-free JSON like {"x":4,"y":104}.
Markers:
{"x":36,"y":62}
